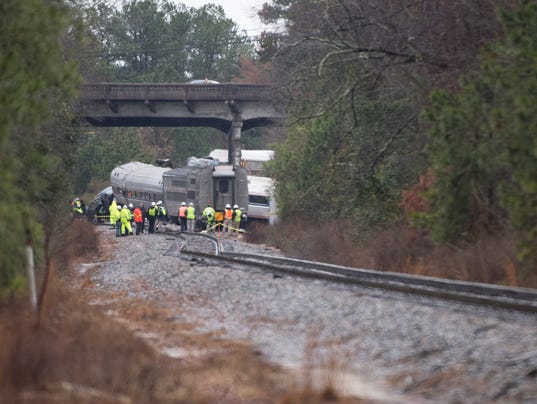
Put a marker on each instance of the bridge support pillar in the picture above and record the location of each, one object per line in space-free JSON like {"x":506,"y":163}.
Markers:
{"x":234,"y":143}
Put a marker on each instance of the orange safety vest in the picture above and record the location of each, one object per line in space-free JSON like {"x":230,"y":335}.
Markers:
{"x":138,"y":215}
{"x":182,"y":211}
{"x":228,"y":213}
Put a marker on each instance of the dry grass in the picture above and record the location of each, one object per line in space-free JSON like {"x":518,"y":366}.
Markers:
{"x":399,"y":249}
{"x":111,"y":351}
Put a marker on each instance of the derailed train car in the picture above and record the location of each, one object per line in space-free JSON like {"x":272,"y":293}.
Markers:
{"x":200,"y":182}
{"x":137,"y":183}
{"x":204,"y":182}
{"x":261,"y":202}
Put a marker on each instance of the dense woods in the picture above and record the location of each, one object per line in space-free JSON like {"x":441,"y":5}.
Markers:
{"x":411,"y":123}
{"x":414,"y":115}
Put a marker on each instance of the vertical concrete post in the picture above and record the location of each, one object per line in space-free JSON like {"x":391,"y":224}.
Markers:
{"x":234,"y":143}
{"x":30,"y":271}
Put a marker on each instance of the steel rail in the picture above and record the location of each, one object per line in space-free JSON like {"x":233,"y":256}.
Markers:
{"x":181,"y":234}
{"x":512,"y":298}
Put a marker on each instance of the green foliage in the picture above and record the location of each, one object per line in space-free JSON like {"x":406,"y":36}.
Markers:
{"x":102,"y":151}
{"x":160,"y":41}
{"x":464,"y":154}
{"x":483,"y":145}
{"x":331,"y":168}
{"x":198,"y":142}
{"x":513,"y":68}
{"x":33,"y":76}
{"x":215,"y":47}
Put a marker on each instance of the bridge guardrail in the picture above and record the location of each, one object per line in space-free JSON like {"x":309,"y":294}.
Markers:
{"x":172,"y":91}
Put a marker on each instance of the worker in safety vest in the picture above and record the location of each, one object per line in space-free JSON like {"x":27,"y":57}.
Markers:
{"x":131,"y":210}
{"x":78,"y":208}
{"x":144,"y":216}
{"x":236,"y":216}
{"x":113,"y":212}
{"x":138,"y":219}
{"x":208,"y":215}
{"x":162,"y":213}
{"x":152,"y":213}
{"x":125,"y":216}
{"x":228,"y":217}
{"x":190,"y":217}
{"x":117,"y":220}
{"x":182,"y":215}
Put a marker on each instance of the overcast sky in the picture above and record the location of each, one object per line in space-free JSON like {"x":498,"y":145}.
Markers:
{"x":243,"y":12}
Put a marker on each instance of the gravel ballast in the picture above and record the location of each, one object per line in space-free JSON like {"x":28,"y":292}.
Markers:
{"x":387,"y":346}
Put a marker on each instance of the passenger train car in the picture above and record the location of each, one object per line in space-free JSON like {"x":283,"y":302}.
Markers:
{"x":200,"y":182}
{"x":261,"y":203}
{"x":206,"y":182}
{"x":137,"y":183}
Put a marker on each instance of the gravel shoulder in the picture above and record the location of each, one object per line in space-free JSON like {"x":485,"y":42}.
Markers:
{"x":381,"y":346}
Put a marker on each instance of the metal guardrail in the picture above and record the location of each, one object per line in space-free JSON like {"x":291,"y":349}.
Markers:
{"x":173,"y":91}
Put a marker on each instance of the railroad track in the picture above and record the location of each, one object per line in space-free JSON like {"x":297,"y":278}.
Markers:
{"x":511,"y":298}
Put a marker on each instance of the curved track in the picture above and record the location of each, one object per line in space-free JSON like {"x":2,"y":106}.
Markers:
{"x":512,"y":298}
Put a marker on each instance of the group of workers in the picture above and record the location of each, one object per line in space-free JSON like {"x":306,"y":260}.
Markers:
{"x":233,"y":218}
{"x":122,"y":218}
{"x":128,"y":220}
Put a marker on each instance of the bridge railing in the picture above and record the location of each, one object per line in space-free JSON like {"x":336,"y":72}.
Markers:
{"x":172,"y":91}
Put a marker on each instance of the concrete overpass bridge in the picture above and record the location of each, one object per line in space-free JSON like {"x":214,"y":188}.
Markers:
{"x":228,"y":107}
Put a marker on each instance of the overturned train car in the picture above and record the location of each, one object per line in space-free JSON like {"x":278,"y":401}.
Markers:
{"x":200,"y":184}
{"x":137,"y":183}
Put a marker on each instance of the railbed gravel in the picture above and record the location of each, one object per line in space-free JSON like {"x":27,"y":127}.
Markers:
{"x":393,"y":347}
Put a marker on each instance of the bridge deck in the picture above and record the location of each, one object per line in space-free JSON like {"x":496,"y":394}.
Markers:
{"x":174,"y":105}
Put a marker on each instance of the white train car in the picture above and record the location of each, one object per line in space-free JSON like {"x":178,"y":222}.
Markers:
{"x":261,"y":201}
{"x":252,"y":160}
{"x":137,"y":183}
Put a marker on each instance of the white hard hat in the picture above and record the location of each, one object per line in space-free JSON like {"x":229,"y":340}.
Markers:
{"x":235,"y":206}
{"x":183,"y":204}
{"x":152,"y":203}
{"x":191,"y":204}
{"x":228,"y":206}
{"x":159,"y":203}
{"x":119,"y":206}
{"x":131,"y":205}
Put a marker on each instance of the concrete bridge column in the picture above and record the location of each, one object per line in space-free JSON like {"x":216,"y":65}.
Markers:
{"x":234,"y":143}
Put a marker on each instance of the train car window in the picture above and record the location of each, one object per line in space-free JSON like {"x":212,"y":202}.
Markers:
{"x":191,"y":195}
{"x":258,"y":200}
{"x":223,"y":187}
{"x":174,"y":196}
{"x":192,"y":181}
{"x":178,"y":183}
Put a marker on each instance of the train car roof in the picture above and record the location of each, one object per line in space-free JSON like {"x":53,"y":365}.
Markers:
{"x":248,"y":155}
{"x":259,"y":185}
{"x":220,"y":170}
{"x":223,"y":170}
{"x":257,"y":155}
{"x":136,"y":175}
{"x":182,"y":171}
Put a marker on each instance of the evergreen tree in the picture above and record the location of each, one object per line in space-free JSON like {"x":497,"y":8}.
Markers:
{"x":33,"y":76}
{"x":483,"y":145}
